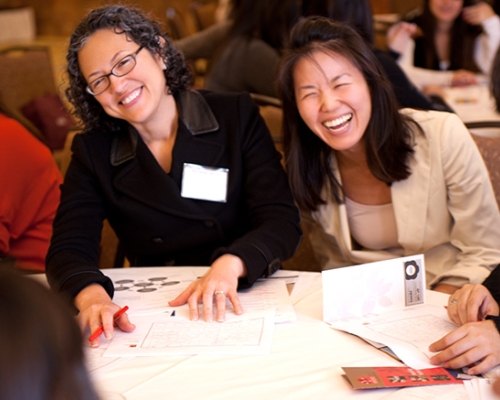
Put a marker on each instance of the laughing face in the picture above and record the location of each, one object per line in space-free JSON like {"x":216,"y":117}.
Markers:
{"x":333,"y":99}
{"x":136,"y":97}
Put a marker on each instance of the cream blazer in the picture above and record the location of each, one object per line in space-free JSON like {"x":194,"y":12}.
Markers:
{"x":446,"y":209}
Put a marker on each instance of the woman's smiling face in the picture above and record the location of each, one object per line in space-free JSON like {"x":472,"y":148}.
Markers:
{"x":333,"y":99}
{"x":134,"y":97}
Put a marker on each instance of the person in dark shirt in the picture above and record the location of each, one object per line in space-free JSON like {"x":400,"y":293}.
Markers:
{"x":359,"y":15}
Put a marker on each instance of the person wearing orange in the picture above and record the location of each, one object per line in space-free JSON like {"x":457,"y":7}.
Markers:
{"x":29,"y":183}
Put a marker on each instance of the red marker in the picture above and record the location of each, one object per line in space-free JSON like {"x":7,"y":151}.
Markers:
{"x":98,"y":331}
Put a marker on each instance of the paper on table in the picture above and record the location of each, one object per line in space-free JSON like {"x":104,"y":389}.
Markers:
{"x":408,"y":332}
{"x":304,"y":286}
{"x":161,"y":335}
{"x":480,"y":389}
{"x":96,"y":364}
{"x":148,"y":290}
{"x":352,"y":292}
{"x":383,"y":302}
{"x":448,"y":392}
{"x":266,"y":294}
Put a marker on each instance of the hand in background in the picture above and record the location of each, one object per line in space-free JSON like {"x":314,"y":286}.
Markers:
{"x":96,"y":310}
{"x":399,"y":34}
{"x":220,"y":282}
{"x":434,"y":90}
{"x":468,"y":344}
{"x":478,"y":13}
{"x":470,"y":304}
{"x":463,"y":77}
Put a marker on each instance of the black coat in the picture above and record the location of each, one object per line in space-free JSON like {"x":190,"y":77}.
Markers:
{"x":115,"y":176}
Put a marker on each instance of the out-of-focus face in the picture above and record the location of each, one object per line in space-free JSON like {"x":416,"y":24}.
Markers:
{"x":333,"y":99}
{"x":446,"y":10}
{"x":135,"y":97}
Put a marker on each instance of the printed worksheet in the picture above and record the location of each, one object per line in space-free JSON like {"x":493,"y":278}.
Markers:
{"x":266,"y":294}
{"x":96,"y":364}
{"x":408,"y":332}
{"x":148,"y":290}
{"x":163,"y":335}
{"x":384,"y":302}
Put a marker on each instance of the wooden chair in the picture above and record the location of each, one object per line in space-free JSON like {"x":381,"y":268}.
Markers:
{"x":271,"y":111}
{"x":26,"y":73}
{"x":177,"y":28}
{"x":203,"y":12}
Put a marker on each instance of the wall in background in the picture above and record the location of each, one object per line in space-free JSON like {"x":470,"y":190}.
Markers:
{"x":59,"y":17}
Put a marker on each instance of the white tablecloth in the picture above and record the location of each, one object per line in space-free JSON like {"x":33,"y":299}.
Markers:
{"x":305,"y":363}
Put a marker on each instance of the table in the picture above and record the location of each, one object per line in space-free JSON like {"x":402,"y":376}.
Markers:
{"x":305,"y":362}
{"x":472,"y":104}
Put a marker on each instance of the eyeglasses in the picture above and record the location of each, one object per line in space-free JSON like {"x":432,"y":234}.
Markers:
{"x":121,"y":68}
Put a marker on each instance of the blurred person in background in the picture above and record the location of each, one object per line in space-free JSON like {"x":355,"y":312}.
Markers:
{"x":358,"y":14}
{"x":244,"y":51}
{"x":448,"y":44}
{"x":29,"y":184}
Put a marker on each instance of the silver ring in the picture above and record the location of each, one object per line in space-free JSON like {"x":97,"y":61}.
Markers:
{"x":219,"y":292}
{"x":453,"y":301}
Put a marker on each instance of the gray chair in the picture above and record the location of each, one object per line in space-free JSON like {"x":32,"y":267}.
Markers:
{"x":489,"y":147}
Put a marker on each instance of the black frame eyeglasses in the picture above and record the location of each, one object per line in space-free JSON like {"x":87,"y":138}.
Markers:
{"x":121,"y":68}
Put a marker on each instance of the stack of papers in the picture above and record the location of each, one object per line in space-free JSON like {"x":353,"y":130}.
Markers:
{"x":480,"y":389}
{"x":162,"y":330}
{"x":384,"y":302}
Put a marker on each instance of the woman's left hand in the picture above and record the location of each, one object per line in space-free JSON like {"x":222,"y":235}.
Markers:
{"x":471,"y":343}
{"x":470,"y":304}
{"x":220,"y":282}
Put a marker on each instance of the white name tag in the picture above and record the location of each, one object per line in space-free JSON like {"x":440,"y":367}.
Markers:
{"x":204,"y":183}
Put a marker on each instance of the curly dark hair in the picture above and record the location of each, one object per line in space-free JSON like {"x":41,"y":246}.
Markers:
{"x":138,"y":27}
{"x":388,"y":136}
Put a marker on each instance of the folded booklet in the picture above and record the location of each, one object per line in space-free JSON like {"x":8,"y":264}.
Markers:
{"x":391,"y":377}
{"x":384,"y":302}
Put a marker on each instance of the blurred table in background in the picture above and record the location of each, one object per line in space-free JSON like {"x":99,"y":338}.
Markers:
{"x":474,"y":104}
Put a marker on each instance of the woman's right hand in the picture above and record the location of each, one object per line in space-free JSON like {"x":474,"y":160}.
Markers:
{"x":471,"y":303}
{"x":96,"y":310}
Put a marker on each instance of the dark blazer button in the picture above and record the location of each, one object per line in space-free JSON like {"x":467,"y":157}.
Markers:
{"x":157,"y":240}
{"x":209,"y":224}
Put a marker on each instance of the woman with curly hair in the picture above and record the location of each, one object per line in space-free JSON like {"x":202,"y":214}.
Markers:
{"x":184,"y":177}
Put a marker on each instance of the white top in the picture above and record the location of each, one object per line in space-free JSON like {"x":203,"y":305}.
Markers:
{"x":485,"y":49}
{"x":373,"y":226}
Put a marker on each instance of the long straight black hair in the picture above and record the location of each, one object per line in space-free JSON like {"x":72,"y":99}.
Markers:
{"x":388,"y":136}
